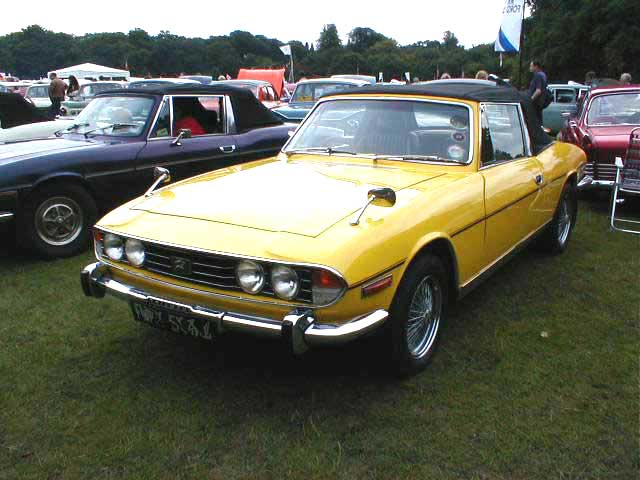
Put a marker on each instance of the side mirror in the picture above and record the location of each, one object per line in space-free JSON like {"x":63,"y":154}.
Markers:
{"x":382,"y":197}
{"x":163,"y":174}
{"x":160,"y":177}
{"x":284,"y":100}
{"x":182,"y":133}
{"x":185,"y":133}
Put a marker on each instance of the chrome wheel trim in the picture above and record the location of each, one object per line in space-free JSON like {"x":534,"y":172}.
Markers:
{"x":424,"y":317}
{"x":58,"y":221}
{"x":564,"y":221}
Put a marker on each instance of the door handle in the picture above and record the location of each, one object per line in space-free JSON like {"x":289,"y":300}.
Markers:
{"x":228,"y":149}
{"x":539,"y":179}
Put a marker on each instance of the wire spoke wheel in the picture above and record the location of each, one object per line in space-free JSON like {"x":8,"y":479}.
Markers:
{"x":564,"y":220}
{"x":425,"y":312}
{"x":59,"y":221}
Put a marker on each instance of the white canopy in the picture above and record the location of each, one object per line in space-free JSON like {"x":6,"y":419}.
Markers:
{"x":90,"y":70}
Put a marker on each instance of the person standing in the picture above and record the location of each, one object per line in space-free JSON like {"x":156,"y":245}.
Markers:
{"x":537,"y":88}
{"x":74,"y":87}
{"x":625,"y":79}
{"x":57,"y":89}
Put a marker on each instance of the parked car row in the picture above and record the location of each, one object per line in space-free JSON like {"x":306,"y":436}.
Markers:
{"x":381,"y":207}
{"x":602,"y":126}
{"x":54,"y":189}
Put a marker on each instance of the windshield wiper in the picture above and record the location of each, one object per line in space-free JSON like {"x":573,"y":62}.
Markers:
{"x":70,"y":127}
{"x":112,"y":126}
{"x":329,"y":150}
{"x":423,"y":158}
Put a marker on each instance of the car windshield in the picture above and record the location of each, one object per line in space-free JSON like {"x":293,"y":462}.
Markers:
{"x":114,"y":116}
{"x":311,"y":92}
{"x":408,"y":129}
{"x":93,"y":89}
{"x":615,"y":109}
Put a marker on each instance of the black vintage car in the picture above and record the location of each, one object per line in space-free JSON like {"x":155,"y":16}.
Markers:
{"x":52,"y":190}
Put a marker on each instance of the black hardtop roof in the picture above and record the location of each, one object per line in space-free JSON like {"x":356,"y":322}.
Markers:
{"x":249,"y":112}
{"x":463,"y":89}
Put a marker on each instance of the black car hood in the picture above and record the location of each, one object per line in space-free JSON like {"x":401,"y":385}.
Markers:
{"x":12,"y":152}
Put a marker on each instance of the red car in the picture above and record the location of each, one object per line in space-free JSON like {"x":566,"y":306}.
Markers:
{"x":602,"y":126}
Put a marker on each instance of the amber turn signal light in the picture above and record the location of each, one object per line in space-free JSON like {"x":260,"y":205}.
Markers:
{"x":377,"y":286}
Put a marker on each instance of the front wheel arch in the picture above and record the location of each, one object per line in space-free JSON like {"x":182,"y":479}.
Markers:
{"x":442,"y":247}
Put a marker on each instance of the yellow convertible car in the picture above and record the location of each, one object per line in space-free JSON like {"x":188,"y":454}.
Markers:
{"x":384,"y":206}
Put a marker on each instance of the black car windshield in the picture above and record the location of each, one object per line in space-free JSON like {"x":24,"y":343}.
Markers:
{"x":311,"y":92}
{"x":113,"y":110}
{"x":406,"y":129}
{"x":615,"y":109}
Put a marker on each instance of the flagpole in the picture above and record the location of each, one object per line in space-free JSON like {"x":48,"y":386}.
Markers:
{"x":291,"y":76}
{"x":521,"y":48}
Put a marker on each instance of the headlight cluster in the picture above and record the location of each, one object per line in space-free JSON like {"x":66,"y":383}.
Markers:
{"x":118,"y":249}
{"x":251,"y":277}
{"x":285,"y":282}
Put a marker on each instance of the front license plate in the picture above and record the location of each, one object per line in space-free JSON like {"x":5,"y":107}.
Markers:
{"x":167,"y":320}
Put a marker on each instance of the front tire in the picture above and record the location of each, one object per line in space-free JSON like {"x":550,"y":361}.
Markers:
{"x":417,"y":314}
{"x":57,"y":219}
{"x":555,"y":238}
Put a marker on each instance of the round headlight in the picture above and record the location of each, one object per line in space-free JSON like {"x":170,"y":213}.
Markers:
{"x":285,"y":282}
{"x":113,"y":247}
{"x":250,"y":276}
{"x":135,"y":252}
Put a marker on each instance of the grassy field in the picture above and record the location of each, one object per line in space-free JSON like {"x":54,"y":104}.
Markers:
{"x":537,"y":377}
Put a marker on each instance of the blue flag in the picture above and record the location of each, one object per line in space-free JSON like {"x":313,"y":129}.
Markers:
{"x":509,"y":35}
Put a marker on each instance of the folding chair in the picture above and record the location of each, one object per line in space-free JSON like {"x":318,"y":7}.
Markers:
{"x":627,"y":182}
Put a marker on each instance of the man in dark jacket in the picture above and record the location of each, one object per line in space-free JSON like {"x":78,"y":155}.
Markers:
{"x":537,"y":87}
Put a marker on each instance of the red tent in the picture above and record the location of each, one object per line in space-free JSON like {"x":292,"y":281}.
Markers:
{"x":274,"y":77}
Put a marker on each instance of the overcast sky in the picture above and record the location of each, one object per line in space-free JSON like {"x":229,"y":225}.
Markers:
{"x":472,"y":21}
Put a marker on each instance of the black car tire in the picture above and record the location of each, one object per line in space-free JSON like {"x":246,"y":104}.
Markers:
{"x":57,"y":219}
{"x":415,"y":324}
{"x":555,"y":238}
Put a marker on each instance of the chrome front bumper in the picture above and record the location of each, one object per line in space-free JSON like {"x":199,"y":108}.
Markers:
{"x":298,"y":328}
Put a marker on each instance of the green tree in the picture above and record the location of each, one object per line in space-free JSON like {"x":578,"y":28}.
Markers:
{"x":361,"y":38}
{"x":329,"y":38}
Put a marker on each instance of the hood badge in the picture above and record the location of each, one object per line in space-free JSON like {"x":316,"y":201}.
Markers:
{"x":180,"y":266}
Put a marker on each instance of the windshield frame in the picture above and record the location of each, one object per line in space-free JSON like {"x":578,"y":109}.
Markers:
{"x":470,"y":110}
{"x":597,"y":97}
{"x":143,"y":132}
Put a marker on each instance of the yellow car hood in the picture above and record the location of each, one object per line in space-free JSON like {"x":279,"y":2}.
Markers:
{"x":303,"y":198}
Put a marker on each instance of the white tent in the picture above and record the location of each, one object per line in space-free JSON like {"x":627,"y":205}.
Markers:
{"x":91,"y":70}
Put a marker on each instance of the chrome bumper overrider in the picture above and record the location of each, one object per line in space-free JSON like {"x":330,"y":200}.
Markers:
{"x":298,"y":328}
{"x":588,"y":183}
{"x":6,"y":216}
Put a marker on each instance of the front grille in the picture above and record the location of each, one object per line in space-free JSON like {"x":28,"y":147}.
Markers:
{"x":600,"y":171}
{"x":212,"y":270}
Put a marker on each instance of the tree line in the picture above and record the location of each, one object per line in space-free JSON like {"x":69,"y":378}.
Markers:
{"x":568,"y":37}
